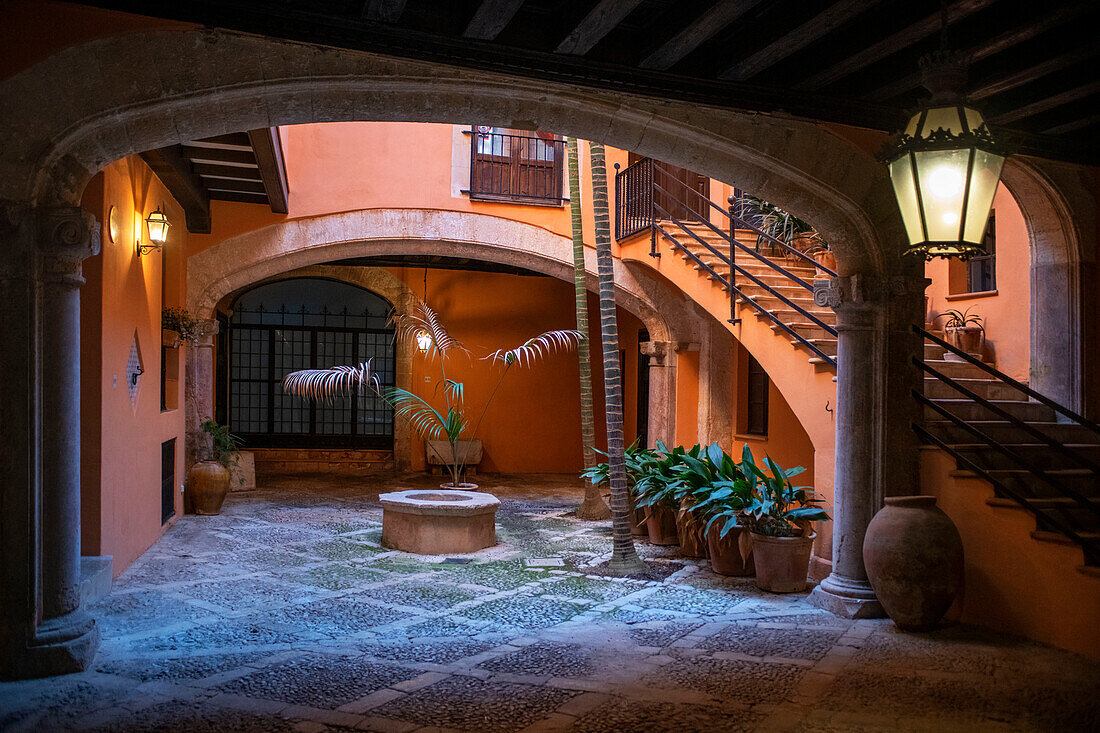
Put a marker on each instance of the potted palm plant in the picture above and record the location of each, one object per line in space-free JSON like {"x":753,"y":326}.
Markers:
{"x":448,"y":422}
{"x":779,"y":224}
{"x":208,"y":479}
{"x":778,"y":517}
{"x":964,"y":331}
{"x":697,"y":477}
{"x":639,"y":462}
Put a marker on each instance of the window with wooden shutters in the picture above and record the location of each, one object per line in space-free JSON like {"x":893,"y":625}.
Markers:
{"x":981,"y":272}
{"x":516,"y":165}
{"x":756,"y":402}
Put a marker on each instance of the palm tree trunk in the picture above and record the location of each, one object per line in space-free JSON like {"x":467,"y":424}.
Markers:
{"x":624,"y":558}
{"x":593,"y":506}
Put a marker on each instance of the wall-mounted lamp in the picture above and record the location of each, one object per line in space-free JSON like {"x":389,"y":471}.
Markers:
{"x":424,"y":341}
{"x":158,"y":225}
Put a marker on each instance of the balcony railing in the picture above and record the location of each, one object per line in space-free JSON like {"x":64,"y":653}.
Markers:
{"x":519,"y":168}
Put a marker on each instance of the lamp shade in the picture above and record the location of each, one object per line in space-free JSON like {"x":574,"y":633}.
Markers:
{"x":424,"y":341}
{"x":945,"y":169}
{"x":158,"y":226}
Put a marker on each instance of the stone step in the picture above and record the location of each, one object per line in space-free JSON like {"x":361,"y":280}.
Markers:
{"x":1023,"y":482}
{"x":1092,"y":538}
{"x":955,"y":369}
{"x":933,"y":352}
{"x":807,"y":304}
{"x":990,"y":389}
{"x":969,"y":410}
{"x":1004,"y":431}
{"x":808,"y":330}
{"x":1067,"y":508}
{"x":827,"y":346}
{"x":792,"y":316}
{"x":1037,"y":455}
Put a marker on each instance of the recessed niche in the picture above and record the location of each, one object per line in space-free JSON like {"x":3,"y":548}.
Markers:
{"x":134,"y":370}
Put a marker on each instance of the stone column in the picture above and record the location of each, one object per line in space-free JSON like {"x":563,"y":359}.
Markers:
{"x":44,"y":628}
{"x":198,"y":390}
{"x":716,"y":387}
{"x":662,"y":390}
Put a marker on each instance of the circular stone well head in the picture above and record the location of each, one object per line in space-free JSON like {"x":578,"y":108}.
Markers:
{"x":451,"y":502}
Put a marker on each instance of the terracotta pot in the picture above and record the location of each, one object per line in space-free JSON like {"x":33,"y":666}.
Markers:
{"x":827,"y":259}
{"x":637,"y":519}
{"x":725,"y":553}
{"x":689,"y":530}
{"x":207,"y":485}
{"x":782,"y":563}
{"x":914,"y":559}
{"x":967,"y":338}
{"x":463,"y":486}
{"x":661,"y":524}
{"x":169,"y":339}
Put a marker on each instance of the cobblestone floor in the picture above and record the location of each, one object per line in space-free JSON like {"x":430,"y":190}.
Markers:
{"x":286,"y":614}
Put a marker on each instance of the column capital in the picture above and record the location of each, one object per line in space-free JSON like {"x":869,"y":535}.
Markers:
{"x":862,"y":289}
{"x":67,"y":235}
{"x":207,"y":329}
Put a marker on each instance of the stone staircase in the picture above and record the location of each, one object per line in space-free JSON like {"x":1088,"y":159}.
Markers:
{"x":780,"y":283}
{"x":1052,"y":502}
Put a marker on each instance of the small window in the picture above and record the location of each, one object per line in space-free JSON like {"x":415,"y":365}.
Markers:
{"x":756,"y":402}
{"x":516,"y":165}
{"x":167,"y":480}
{"x":981,"y":272}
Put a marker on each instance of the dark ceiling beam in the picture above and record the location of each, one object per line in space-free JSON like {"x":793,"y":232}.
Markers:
{"x":1073,"y":126}
{"x":1017,"y":35}
{"x":174,"y":171}
{"x":232,"y":172}
{"x":220,"y":186}
{"x":812,"y":30}
{"x":1030,"y":74}
{"x":220,"y":156}
{"x":600,"y":21}
{"x":890,"y":45}
{"x":269,"y":157}
{"x":491,"y":18}
{"x":702,"y":29}
{"x":229,"y":141}
{"x":386,"y":11}
{"x":239,"y":196}
{"x":1047,"y":103}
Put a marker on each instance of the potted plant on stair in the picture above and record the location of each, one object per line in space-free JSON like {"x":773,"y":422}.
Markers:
{"x":778,"y":517}
{"x":208,"y":480}
{"x":964,"y":331}
{"x":422,"y":331}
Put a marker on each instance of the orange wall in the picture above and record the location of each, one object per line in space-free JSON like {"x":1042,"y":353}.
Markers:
{"x":121,"y":443}
{"x":1014,"y":583}
{"x":1006,"y":311}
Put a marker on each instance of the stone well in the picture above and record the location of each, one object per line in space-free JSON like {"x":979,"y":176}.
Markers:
{"x":438,"y":521}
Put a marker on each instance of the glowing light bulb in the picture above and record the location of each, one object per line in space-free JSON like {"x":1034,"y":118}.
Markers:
{"x":945,"y":182}
{"x":950,"y":217}
{"x":424,"y":341}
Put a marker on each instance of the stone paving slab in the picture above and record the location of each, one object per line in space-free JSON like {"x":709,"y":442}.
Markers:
{"x":285,"y":614}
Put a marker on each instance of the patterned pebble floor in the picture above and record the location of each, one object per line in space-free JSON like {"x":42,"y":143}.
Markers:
{"x":284,"y":613}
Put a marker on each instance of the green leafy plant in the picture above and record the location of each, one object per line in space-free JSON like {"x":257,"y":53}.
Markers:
{"x":778,"y":223}
{"x":223,"y":445}
{"x":776,"y":507}
{"x":181,"y":321}
{"x":660,"y":484}
{"x":450,"y":422}
{"x":639,"y":462}
{"x":698,"y":474}
{"x":958,"y":320}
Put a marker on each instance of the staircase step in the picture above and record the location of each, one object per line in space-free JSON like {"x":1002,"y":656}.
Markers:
{"x":807,"y":330}
{"x":827,"y":346}
{"x":1057,"y":506}
{"x":969,"y":410}
{"x":1025,"y":483}
{"x":990,"y":389}
{"x":1006,"y":432}
{"x":1061,"y":539}
{"x":792,"y":316}
{"x":1037,"y":455}
{"x":1092,"y":570}
{"x":956,"y":369}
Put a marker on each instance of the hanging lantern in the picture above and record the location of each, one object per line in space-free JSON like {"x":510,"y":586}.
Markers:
{"x":945,"y":167}
{"x":424,"y":341}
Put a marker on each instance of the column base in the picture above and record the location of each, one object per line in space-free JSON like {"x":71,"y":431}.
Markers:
{"x":61,"y":645}
{"x":847,"y":598}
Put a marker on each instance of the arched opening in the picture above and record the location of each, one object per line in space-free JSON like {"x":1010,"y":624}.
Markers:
{"x":306,"y":323}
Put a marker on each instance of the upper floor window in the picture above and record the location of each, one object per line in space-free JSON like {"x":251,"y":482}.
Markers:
{"x":516,"y":165}
{"x":756,"y":399}
{"x":981,"y":272}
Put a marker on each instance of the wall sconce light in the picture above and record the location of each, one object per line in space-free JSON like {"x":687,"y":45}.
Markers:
{"x":158,"y":225}
{"x":424,"y":341}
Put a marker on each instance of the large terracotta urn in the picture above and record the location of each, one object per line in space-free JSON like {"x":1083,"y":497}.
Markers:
{"x":689,"y":529}
{"x":661,"y":524}
{"x":782,"y":563}
{"x":725,"y":552}
{"x":207,"y":485}
{"x":914,"y":559}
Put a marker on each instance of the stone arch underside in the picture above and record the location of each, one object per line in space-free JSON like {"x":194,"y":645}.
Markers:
{"x":212,"y":82}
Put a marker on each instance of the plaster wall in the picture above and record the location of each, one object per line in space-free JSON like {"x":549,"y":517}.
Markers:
{"x":121,"y":440}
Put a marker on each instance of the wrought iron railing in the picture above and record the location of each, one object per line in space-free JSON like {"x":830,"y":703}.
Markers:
{"x":634,"y":204}
{"x":509,"y":167}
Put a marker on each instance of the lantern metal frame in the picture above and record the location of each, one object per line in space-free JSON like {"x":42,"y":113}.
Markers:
{"x":159,"y":218}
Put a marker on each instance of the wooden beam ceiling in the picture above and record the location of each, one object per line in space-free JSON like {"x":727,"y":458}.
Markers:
{"x":701,"y":30}
{"x":491,"y":17}
{"x":600,"y":21}
{"x":269,"y":159}
{"x":174,"y":171}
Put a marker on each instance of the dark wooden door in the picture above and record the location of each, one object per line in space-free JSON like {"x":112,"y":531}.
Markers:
{"x":683,"y":194}
{"x":167,"y":480}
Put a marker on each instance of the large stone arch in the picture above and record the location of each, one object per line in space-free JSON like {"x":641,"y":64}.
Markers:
{"x":210,"y":82}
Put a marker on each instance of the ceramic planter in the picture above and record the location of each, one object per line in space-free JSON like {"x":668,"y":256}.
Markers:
{"x":782,"y":563}
{"x":661,"y":524}
{"x":967,"y":338}
{"x":914,"y":559}
{"x":207,"y":485}
{"x":725,"y":552}
{"x":689,"y":530}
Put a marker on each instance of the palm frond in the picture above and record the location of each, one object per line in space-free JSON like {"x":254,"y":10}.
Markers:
{"x":538,"y":347}
{"x":316,"y":384}
{"x":422,"y":417}
{"x":422,"y":319}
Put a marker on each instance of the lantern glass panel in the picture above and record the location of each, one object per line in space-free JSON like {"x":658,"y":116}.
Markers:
{"x":974,"y":119}
{"x":901,"y":175}
{"x":911,"y":128}
{"x":158,"y":227}
{"x":942,"y":179}
{"x":945,"y":117}
{"x":983,"y":185}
